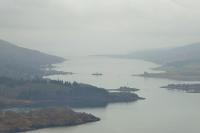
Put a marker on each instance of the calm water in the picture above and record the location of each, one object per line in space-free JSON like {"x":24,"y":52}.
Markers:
{"x":162,"y":112}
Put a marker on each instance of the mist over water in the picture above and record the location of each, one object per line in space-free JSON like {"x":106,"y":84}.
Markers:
{"x":85,"y":27}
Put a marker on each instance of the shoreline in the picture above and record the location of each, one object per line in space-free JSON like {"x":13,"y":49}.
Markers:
{"x":42,"y":118}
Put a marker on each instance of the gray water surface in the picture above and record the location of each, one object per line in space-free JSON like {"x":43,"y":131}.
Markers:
{"x":163,"y":111}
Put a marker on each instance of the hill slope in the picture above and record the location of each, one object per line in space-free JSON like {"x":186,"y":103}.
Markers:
{"x":21,"y":62}
{"x":169,"y":55}
{"x":180,"y":63}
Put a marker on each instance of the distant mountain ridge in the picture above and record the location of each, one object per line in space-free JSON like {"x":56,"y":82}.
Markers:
{"x":180,"y":63}
{"x":164,"y":56}
{"x":17,"y":61}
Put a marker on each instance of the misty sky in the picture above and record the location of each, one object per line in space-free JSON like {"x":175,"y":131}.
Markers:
{"x":85,"y":27}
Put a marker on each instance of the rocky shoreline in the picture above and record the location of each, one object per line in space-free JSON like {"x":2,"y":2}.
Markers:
{"x":13,"y":122}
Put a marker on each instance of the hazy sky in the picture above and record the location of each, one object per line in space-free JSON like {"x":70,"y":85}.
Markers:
{"x":73,"y":27}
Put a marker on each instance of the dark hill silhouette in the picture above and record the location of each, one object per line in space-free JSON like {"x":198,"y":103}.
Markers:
{"x":10,"y":53}
{"x":21,"y":62}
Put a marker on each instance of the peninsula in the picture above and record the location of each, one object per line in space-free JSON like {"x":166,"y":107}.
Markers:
{"x":12,"y":122}
{"x":46,"y":92}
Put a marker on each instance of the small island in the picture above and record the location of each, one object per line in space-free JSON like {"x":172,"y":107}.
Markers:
{"x":55,"y":72}
{"x":12,"y":122}
{"x":189,"y":88}
{"x":97,"y":74}
{"x":124,"y":89}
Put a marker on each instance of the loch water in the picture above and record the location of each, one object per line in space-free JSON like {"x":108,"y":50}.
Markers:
{"x":163,"y":111}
